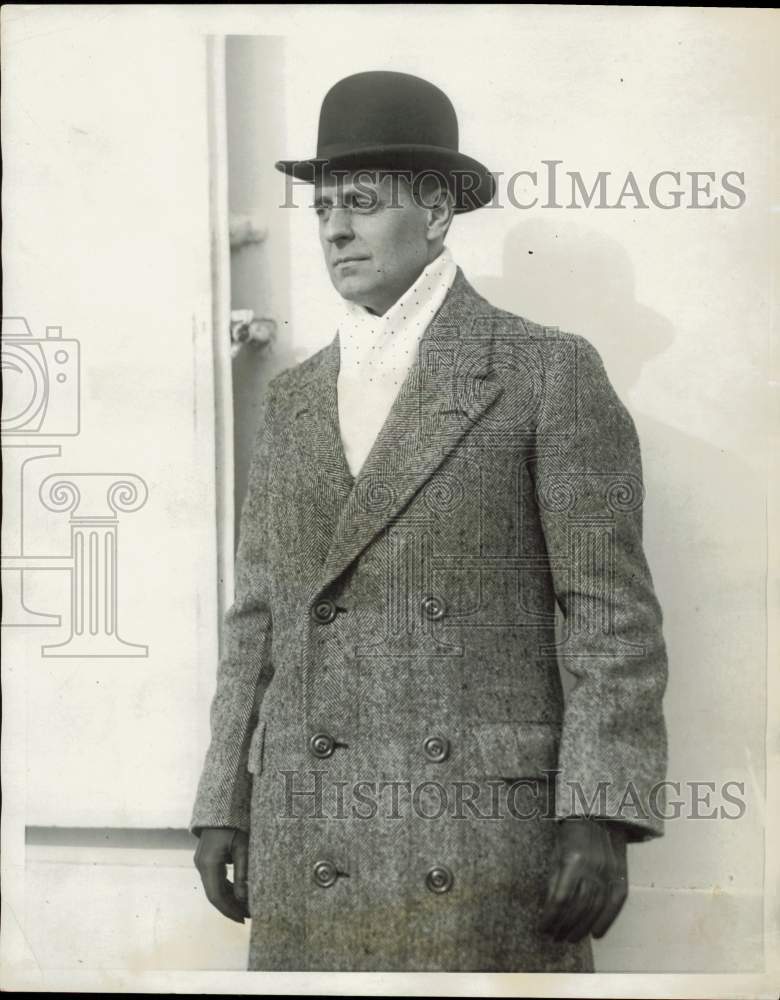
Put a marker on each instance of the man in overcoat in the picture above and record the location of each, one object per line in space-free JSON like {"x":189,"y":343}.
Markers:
{"x":444,"y":506}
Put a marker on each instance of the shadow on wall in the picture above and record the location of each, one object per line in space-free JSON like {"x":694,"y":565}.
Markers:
{"x":582,"y":281}
{"x":703,"y":530}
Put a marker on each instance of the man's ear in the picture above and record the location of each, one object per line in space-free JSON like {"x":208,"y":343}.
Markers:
{"x":440,"y":215}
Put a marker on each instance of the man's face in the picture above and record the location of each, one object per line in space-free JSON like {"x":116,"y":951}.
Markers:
{"x":375,"y":237}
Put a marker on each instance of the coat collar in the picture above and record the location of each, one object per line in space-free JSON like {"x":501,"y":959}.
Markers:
{"x":444,"y":394}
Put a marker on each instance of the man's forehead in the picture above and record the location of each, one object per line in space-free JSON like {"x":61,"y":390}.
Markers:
{"x":347,"y":182}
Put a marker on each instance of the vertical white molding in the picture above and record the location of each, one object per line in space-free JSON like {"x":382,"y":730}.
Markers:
{"x":220,"y":281}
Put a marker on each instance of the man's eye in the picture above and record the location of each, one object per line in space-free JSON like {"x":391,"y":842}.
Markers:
{"x":322,"y":211}
{"x":364,"y":203}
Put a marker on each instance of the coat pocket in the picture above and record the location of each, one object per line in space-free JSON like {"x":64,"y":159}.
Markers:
{"x":517,"y":749}
{"x":254,"y":762}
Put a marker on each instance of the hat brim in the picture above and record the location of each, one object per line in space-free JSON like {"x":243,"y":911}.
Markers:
{"x":471,"y":183}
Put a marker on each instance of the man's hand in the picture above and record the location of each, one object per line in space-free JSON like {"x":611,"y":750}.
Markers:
{"x":589,"y":881}
{"x":217,"y":847}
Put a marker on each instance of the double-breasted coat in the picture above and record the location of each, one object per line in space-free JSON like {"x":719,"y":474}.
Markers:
{"x":389,"y":723}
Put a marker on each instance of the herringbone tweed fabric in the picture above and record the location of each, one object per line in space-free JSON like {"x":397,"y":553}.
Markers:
{"x":419,"y":602}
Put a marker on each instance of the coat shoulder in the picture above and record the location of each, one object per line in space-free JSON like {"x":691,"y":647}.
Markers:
{"x":502,"y":320}
{"x":300,"y":373}
{"x":568,"y":364}
{"x":298,"y":376}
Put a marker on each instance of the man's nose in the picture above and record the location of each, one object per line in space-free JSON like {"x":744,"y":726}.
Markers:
{"x":339,"y":224}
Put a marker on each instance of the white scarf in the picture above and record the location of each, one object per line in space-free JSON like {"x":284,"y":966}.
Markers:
{"x":376,"y":353}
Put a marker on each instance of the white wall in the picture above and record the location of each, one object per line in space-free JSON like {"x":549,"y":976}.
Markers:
{"x":107,"y":235}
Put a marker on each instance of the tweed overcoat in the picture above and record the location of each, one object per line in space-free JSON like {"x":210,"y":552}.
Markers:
{"x":389,"y":724}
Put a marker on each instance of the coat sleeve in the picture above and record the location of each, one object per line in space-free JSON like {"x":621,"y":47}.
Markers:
{"x":613,"y":751}
{"x":224,"y":790}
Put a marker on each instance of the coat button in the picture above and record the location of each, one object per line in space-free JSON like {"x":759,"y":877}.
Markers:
{"x":322,"y":745}
{"x":324,"y":611}
{"x":433,"y":608}
{"x":439,"y":879}
{"x":436,"y":749}
{"x":325,"y":874}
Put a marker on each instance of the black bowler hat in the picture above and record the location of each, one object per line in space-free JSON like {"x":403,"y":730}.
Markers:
{"x":393,"y":121}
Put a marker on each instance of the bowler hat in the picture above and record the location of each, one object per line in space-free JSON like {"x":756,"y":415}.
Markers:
{"x":393,"y":121}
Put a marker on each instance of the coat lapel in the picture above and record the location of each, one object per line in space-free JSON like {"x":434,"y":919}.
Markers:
{"x":446,"y":392}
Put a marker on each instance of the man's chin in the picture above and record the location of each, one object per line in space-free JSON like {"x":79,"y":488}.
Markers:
{"x":352,"y":289}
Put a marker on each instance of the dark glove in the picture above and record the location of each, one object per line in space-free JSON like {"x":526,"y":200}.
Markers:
{"x":589,"y":881}
{"x":218,"y":847}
